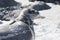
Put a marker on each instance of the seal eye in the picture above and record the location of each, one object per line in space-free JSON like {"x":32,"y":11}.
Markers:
{"x":31,"y":11}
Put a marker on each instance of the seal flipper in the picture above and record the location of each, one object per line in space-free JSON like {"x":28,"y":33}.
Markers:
{"x":12,"y":22}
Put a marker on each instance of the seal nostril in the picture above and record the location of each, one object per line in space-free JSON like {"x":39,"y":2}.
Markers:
{"x":37,"y":13}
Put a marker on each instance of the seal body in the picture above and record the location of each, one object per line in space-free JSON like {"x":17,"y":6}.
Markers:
{"x":21,"y":28}
{"x":17,"y":31}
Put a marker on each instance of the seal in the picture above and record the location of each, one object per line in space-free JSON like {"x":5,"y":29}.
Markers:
{"x":20,"y":28}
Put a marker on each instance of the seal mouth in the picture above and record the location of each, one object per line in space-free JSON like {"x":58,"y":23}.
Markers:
{"x":39,"y":16}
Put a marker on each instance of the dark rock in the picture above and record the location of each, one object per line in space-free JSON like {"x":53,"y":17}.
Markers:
{"x":7,"y":6}
{"x":41,"y":6}
{"x":46,"y":0}
{"x":8,"y":11}
{"x":31,"y":0}
{"x":51,"y":1}
{"x":7,"y":3}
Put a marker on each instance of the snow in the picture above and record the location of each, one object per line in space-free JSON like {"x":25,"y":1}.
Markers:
{"x":47,"y":28}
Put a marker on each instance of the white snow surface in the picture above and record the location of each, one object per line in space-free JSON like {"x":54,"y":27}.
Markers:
{"x":49,"y":27}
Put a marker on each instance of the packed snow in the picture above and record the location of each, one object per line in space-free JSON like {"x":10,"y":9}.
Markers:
{"x":49,"y":27}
